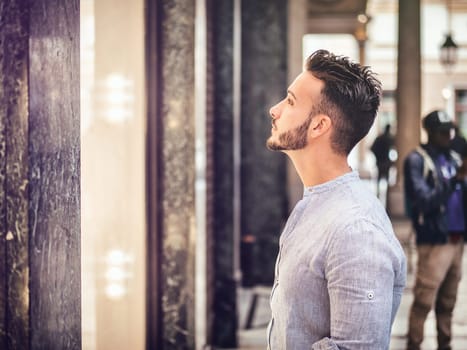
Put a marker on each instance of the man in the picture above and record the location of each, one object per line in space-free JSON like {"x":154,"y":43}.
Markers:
{"x":340,"y":270}
{"x":381,"y":148}
{"x":434,"y":190}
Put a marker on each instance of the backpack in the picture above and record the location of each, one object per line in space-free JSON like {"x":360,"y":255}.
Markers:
{"x":428,"y":166}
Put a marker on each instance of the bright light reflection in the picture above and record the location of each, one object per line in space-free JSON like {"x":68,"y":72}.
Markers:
{"x":362,"y":18}
{"x":447,"y":93}
{"x":118,"y":257}
{"x":117,"y":115}
{"x":118,"y":264}
{"x":115,"y":291}
{"x":119,"y":98}
{"x":117,"y":81}
{"x":393,"y":155}
{"x":115,"y":274}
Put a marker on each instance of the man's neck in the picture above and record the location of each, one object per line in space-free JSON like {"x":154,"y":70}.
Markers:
{"x":314,"y":169}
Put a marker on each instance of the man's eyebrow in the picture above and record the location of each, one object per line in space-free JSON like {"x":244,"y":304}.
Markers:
{"x":290,"y":92}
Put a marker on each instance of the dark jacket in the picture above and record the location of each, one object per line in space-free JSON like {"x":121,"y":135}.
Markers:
{"x":427,"y":193}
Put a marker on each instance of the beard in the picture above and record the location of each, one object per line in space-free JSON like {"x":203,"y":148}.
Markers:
{"x":291,"y":140}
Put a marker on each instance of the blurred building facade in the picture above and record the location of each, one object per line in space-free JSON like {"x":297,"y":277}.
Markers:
{"x":137,"y":194}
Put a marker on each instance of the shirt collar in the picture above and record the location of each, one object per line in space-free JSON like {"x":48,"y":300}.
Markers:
{"x":327,"y":186}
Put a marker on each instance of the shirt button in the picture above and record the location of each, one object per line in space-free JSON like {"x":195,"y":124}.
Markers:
{"x":370,"y":295}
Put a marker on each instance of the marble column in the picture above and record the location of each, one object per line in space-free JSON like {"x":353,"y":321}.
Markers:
{"x":263,"y":172}
{"x":224,"y":322}
{"x":14,"y":168}
{"x":408,"y":79}
{"x":172,"y":174}
{"x":408,"y":100}
{"x":40,"y":284}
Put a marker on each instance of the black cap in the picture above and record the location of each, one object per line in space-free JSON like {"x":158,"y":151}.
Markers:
{"x":437,"y":121}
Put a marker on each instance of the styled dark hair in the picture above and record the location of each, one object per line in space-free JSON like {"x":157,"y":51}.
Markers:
{"x":350,"y":97}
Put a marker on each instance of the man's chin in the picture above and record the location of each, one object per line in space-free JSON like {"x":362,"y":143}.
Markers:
{"x":274,"y":146}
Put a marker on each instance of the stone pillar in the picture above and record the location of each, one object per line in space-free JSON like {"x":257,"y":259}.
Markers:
{"x":408,"y":100}
{"x":264,"y":173}
{"x":171,"y":154}
{"x":408,"y":79}
{"x":224,"y":322}
{"x":40,"y":284}
{"x":14,"y":176}
{"x":177,"y":176}
{"x":171,"y":176}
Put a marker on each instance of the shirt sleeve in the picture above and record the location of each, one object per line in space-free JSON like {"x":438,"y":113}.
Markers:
{"x":361,"y":273}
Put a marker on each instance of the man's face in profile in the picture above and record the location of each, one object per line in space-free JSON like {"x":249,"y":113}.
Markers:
{"x":291,"y":117}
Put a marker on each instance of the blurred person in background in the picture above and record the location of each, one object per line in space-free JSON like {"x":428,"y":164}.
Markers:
{"x":435,"y":196}
{"x":381,"y":148}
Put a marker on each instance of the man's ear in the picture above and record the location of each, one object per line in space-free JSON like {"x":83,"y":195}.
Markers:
{"x":320,"y":124}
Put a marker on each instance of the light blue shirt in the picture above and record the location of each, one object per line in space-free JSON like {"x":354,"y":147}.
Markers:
{"x":340,"y":271}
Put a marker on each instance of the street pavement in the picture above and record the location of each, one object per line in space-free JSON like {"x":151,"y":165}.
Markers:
{"x":255,"y":337}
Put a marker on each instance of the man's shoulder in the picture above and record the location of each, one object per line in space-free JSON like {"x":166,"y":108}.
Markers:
{"x":420,"y":151}
{"x":361,"y":206}
{"x":418,"y":155}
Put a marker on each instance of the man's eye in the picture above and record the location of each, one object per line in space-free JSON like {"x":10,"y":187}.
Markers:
{"x":290,"y":102}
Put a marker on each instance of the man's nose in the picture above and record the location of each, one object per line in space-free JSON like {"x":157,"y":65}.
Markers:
{"x":274,"y":111}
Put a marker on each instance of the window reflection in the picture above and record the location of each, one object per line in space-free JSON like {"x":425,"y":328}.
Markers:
{"x":112,"y":178}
